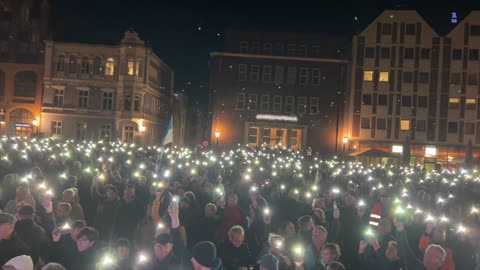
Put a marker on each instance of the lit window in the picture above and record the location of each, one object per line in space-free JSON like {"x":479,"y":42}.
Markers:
{"x":130,"y":67}
{"x":453,"y":103}
{"x":368,"y":76}
{"x":471,"y":103}
{"x":405,"y":125}
{"x":110,"y":67}
{"x":383,"y":76}
{"x":430,"y":151}
{"x":397,"y":148}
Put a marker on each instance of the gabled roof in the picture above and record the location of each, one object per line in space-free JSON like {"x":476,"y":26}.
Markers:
{"x":460,"y":26}
{"x":394,"y":14}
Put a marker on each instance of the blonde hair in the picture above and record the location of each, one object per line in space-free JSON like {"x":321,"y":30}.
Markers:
{"x":274,"y":238}
{"x":210,"y":205}
{"x":236,"y":229}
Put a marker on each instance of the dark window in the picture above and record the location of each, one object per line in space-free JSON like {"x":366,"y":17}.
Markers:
{"x":472,"y":79}
{"x":456,"y":54}
{"x":385,"y":52}
{"x":381,"y":123}
{"x":128,"y":103}
{"x":267,"y":48}
{"x":473,"y":54}
{"x":455,"y":78}
{"x":452,"y":127}
{"x":425,"y":53}
{"x":406,"y":101}
{"x":97,"y":66}
{"x":423,"y":77}
{"x":365,"y":123}
{"x":407,"y":77}
{"x":369,"y":52}
{"x":25,"y":84}
{"x":367,"y":99}
{"x":382,"y":100}
{"x":408,"y":53}
{"x":386,"y":29}
{"x":422,"y":101}
{"x":410,"y":29}
{"x":421,"y":125}
{"x":469,"y":128}
{"x":471,"y":103}
{"x":475,"y":30}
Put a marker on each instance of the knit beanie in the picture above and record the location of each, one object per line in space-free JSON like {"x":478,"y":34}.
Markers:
{"x":205,"y":253}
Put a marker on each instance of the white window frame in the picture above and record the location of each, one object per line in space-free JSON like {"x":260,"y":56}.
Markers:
{"x":265,"y":103}
{"x":242,"y":72}
{"x":59,"y":97}
{"x":109,"y":100}
{"x":302,"y":105}
{"x":254,"y":75}
{"x":239,"y":99}
{"x":315,"y":77}
{"x":303,"y":76}
{"x":252,"y":102}
{"x":267,"y":73}
{"x":83,"y":99}
{"x":289,"y":102}
{"x":56,"y":127}
{"x":277,"y":103}
{"x":291,"y":75}
{"x":314,"y":102}
{"x":279,"y":74}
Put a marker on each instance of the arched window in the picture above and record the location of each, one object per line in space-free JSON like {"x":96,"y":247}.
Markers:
{"x":85,"y":69}
{"x":72,"y":64}
{"x":21,"y":116}
{"x":25,"y":84}
{"x":130,"y":66}
{"x":136,"y":104}
{"x":60,"y":67}
{"x":110,"y":67}
{"x":97,"y":66}
{"x":2,"y":83}
{"x":139,"y":70}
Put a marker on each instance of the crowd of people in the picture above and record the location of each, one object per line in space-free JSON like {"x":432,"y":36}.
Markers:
{"x":117,"y":206}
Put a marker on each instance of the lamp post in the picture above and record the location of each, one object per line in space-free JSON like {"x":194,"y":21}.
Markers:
{"x":35,"y":124}
{"x":217,"y":135}
{"x":345,"y":141}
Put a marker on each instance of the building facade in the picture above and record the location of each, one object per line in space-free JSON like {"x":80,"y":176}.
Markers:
{"x":23,"y":28}
{"x":181,"y":115}
{"x":407,"y":81}
{"x":120,"y":92}
{"x":278,"y":89}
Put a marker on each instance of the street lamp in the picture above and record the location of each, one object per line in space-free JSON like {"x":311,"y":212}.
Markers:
{"x":35,"y":124}
{"x":345,"y":141}
{"x":217,"y":135}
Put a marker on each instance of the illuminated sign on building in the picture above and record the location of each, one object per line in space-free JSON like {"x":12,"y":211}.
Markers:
{"x":275,"y":117}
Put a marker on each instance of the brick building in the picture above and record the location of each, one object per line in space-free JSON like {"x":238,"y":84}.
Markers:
{"x":408,"y":81}
{"x":120,"y":92}
{"x":23,"y":27}
{"x":279,"y":89}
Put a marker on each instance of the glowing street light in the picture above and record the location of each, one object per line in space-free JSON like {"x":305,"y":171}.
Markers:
{"x":217,"y":135}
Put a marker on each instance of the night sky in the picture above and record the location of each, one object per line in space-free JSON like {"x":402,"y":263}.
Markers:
{"x":184,"y":35}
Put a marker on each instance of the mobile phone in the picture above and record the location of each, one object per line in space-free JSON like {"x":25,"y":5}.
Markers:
{"x":334,"y":204}
{"x":174,"y":203}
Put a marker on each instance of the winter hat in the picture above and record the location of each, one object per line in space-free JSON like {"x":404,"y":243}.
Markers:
{"x":269,"y":262}
{"x":22,"y":262}
{"x":205,"y":253}
{"x":163,"y":239}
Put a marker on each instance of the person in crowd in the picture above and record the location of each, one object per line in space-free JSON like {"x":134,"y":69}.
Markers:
{"x":232,"y":216}
{"x":123,"y":256}
{"x":234,"y":253}
{"x":31,"y":233}
{"x":62,"y":213}
{"x":11,"y":245}
{"x":276,"y":248}
{"x":22,"y":262}
{"x":53,"y":266}
{"x":207,"y":225}
{"x":128,"y":215}
{"x":70,"y":196}
{"x":305,"y":228}
{"x":107,"y":207}
{"x":63,"y":246}
{"x":269,"y":262}
{"x":204,"y":257}
{"x":335,"y":266}
{"x":22,"y":197}
{"x":437,"y":235}
{"x":86,"y":256}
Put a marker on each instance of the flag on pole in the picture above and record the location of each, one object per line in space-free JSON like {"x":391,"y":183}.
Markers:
{"x":169,"y":135}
